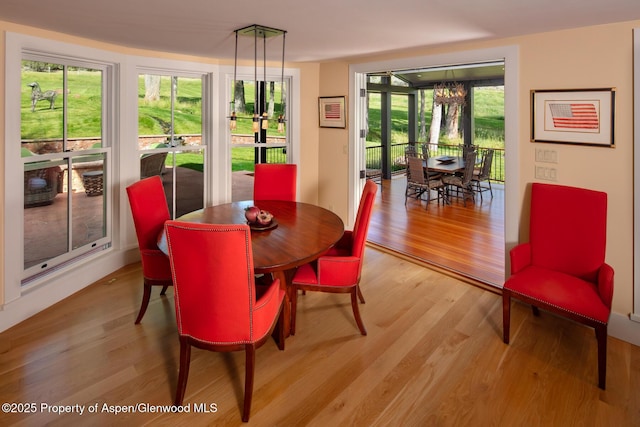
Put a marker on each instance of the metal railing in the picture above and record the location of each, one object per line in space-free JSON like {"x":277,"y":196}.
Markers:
{"x":276,"y":154}
{"x":373,"y":158}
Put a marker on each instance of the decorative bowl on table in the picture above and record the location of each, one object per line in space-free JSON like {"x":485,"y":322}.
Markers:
{"x":445,"y":159}
{"x":259,"y":219}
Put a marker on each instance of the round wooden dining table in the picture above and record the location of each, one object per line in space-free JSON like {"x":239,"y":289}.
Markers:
{"x":301,"y":233}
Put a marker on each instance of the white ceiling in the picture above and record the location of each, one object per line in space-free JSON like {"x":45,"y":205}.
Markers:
{"x":316,"y":30}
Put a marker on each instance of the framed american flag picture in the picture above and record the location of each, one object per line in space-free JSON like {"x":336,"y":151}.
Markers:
{"x":574,"y":116}
{"x":332,"y":112}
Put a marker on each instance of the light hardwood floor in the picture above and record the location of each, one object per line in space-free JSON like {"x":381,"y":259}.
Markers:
{"x":434,"y":356}
{"x":466,"y":240}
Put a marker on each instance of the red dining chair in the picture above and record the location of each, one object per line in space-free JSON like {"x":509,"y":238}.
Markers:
{"x":275,"y":181}
{"x":215,"y":297}
{"x":562,"y":268}
{"x":150,"y":210}
{"x":338,"y":271}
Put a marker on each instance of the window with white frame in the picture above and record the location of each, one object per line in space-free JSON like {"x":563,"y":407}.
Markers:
{"x":63,"y":145}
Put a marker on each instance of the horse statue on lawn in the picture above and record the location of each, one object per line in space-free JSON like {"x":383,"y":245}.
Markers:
{"x":38,"y":95}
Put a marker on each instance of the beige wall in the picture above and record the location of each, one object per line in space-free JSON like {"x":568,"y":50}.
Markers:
{"x":309,"y":138}
{"x":333,"y":155}
{"x":591,"y":57}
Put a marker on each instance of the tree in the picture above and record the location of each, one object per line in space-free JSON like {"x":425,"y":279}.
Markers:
{"x":422,"y":134}
{"x":283,"y":98}
{"x":436,"y":116}
{"x":151,"y":87}
{"x":272,"y":97}
{"x":238,"y":96}
{"x":457,"y":95}
{"x":451,"y":123}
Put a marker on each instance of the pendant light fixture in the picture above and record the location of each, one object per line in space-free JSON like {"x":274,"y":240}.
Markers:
{"x":260,"y":121}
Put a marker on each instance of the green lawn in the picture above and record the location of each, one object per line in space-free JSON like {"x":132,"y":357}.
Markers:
{"x":488,"y":117}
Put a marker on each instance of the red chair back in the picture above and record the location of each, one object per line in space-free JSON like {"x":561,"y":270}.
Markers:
{"x":568,"y":229}
{"x":363,"y":217}
{"x":273,"y":181}
{"x":213,"y":280}
{"x":149,"y":210}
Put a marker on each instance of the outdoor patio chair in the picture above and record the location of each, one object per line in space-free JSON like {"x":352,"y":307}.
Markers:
{"x":484,"y":173}
{"x":462,"y":184}
{"x":418,"y":184}
{"x":152,"y":164}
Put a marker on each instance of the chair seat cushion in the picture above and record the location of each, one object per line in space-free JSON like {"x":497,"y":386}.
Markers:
{"x":559,"y":290}
{"x":37,"y":183}
{"x":306,"y":275}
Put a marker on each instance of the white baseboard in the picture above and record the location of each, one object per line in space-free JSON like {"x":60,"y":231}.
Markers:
{"x":622,"y":327}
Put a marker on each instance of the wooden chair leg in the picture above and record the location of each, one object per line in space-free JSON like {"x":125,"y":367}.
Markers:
{"x":146,"y":296}
{"x":360,"y":296}
{"x":294,"y":309}
{"x":506,"y":315}
{"x":185,"y":361}
{"x":250,"y":365}
{"x":164,"y":290}
{"x":536,"y":310}
{"x":465,"y":193}
{"x":601,"y":336}
{"x":356,"y":311}
{"x":281,"y":330}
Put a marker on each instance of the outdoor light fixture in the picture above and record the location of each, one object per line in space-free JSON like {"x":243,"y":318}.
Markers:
{"x":260,"y":120}
{"x":450,"y":93}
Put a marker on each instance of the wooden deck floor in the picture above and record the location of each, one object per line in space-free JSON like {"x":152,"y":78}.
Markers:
{"x":468,"y":241}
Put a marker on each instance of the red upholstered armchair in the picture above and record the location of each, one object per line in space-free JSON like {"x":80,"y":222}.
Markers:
{"x":150,"y":210}
{"x":562,"y":268}
{"x":215,"y":296}
{"x":274,"y":181}
{"x":338,"y":271}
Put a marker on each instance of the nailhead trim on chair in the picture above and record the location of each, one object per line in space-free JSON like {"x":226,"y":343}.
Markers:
{"x":558,"y":307}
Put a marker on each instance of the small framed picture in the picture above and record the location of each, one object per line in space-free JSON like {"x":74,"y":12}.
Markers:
{"x":574,"y":116}
{"x":332,"y":111}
